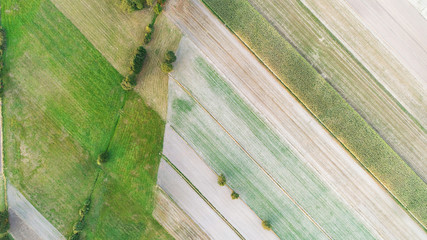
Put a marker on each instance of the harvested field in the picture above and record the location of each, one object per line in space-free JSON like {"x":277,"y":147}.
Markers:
{"x":306,"y":138}
{"x":26,"y":222}
{"x":175,"y":220}
{"x":247,"y":223}
{"x":388,"y":70}
{"x":351,"y":79}
{"x":261,"y":143}
{"x":176,"y":187}
{"x":324,"y":102}
{"x":399,"y":27}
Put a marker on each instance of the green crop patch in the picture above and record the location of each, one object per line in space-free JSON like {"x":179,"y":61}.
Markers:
{"x":60,"y":107}
{"x":324,"y":103}
{"x":124,"y":195}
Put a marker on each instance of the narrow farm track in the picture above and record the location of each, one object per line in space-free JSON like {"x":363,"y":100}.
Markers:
{"x":256,"y":163}
{"x":383,"y":111}
{"x":306,"y":137}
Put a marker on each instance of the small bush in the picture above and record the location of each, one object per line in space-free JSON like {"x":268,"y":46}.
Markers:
{"x":74,"y":236}
{"x":166,"y":67}
{"x":131,"y":5}
{"x":129,"y":82}
{"x":148,"y":29}
{"x":170,"y":57}
{"x":161,"y":2}
{"x":158,"y":9}
{"x":234,"y":195}
{"x":102,"y":158}
{"x":4,"y":221}
{"x":221,"y":180}
{"x":266,"y":225}
{"x":147,"y":38}
{"x":78,"y":226}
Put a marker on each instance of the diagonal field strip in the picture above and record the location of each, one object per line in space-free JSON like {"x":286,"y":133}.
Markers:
{"x":201,"y":196}
{"x":259,"y":166}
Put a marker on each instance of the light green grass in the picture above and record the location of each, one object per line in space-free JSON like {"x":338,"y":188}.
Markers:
{"x":224,"y":156}
{"x":60,"y":106}
{"x":270,"y":150}
{"x":123,"y":199}
{"x":324,"y":102}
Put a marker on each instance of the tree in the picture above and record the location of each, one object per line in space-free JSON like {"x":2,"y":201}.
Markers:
{"x":138,"y":60}
{"x":166,"y":67}
{"x":170,"y":57}
{"x":158,"y":9}
{"x":129,"y":82}
{"x":266,"y":224}
{"x":221,"y":180}
{"x":234,"y":195}
{"x":102,"y":158}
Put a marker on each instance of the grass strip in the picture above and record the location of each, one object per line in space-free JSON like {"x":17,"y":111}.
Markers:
{"x":324,"y":102}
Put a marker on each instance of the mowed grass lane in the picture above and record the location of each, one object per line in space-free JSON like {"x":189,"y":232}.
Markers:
{"x":123,"y":199}
{"x":60,"y":106}
{"x":325,"y":103}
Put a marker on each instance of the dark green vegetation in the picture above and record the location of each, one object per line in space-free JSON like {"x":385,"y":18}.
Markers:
{"x":62,"y":107}
{"x":4,"y":221}
{"x":133,"y":5}
{"x":324,"y":103}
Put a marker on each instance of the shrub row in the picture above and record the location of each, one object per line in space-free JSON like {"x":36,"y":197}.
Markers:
{"x":324,"y":102}
{"x":80,"y":224}
{"x":133,"y":5}
{"x":129,"y":82}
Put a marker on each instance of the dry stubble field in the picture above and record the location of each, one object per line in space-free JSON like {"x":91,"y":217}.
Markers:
{"x":352,"y":80}
{"x":210,"y":35}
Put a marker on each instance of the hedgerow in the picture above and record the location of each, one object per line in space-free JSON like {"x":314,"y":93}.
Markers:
{"x":324,"y":102}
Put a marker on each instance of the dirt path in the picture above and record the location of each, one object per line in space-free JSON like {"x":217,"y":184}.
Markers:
{"x":307,"y":138}
{"x":26,"y":222}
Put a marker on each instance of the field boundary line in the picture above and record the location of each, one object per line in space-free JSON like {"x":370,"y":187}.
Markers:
{"x":321,"y":123}
{"x":201,"y":195}
{"x":2,"y":156}
{"x":258,"y":164}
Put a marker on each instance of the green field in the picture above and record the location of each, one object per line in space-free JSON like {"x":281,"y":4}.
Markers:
{"x":325,"y":103}
{"x":124,"y":194}
{"x":62,"y":102}
{"x":269,"y":150}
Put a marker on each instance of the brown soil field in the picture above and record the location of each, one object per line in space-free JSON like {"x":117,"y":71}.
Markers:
{"x":175,"y":220}
{"x":307,"y":138}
